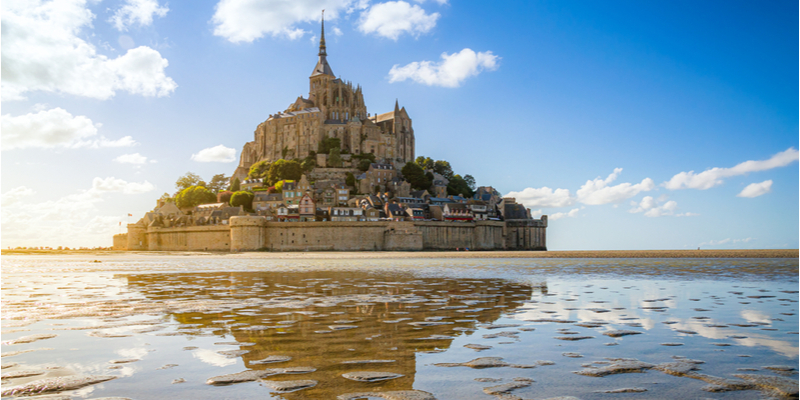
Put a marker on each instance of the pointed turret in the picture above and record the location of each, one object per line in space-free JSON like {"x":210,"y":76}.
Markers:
{"x":322,"y":67}
{"x":396,"y":105}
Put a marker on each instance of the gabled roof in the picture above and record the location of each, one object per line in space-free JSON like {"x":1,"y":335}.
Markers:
{"x":264,"y":196}
{"x":456,"y":206}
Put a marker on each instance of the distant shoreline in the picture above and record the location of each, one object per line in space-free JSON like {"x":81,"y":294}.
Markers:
{"x":763,"y":253}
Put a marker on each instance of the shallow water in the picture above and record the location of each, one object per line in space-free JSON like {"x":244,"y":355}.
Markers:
{"x":163,"y":326}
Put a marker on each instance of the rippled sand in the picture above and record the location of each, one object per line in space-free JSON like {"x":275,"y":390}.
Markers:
{"x":255,"y":325}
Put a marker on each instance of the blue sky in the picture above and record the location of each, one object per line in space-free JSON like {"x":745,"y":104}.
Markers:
{"x":633,"y":125}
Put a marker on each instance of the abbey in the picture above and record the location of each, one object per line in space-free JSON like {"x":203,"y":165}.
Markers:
{"x":334,"y":109}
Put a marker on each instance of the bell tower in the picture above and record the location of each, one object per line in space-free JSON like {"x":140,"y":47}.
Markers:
{"x":319,"y":81}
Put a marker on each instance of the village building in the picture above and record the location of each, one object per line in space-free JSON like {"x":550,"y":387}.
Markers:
{"x":303,"y":185}
{"x":415,"y":214}
{"x":250,"y":184}
{"x":379,"y":175}
{"x":479,"y":209}
{"x":372,"y":214}
{"x":307,"y":208}
{"x":263,"y":200}
{"x":290,"y":193}
{"x":457,"y":212}
{"x":342,"y":194}
{"x":346,"y":214}
{"x":395,"y":212}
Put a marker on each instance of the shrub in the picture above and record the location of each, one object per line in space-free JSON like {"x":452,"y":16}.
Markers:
{"x":194,"y":196}
{"x":242,"y":198}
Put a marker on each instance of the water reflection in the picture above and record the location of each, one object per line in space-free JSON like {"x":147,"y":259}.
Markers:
{"x":333,"y":322}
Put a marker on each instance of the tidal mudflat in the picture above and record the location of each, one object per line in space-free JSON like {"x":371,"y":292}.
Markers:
{"x":216,"y":327}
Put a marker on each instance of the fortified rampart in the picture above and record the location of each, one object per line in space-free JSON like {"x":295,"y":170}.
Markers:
{"x":247,"y":233}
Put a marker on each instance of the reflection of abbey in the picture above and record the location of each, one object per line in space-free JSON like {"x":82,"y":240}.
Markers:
{"x":334,"y":109}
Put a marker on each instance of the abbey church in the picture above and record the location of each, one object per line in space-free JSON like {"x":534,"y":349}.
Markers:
{"x":334,"y":109}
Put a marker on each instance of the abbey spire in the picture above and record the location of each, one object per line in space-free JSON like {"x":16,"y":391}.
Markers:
{"x":322,"y":67}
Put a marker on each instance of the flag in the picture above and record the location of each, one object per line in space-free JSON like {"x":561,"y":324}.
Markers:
{"x":130,"y":215}
{"x":120,"y":223}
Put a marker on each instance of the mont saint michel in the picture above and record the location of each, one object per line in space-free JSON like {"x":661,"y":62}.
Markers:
{"x":326,"y":174}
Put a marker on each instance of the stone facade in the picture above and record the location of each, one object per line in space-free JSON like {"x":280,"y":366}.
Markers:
{"x":334,"y":109}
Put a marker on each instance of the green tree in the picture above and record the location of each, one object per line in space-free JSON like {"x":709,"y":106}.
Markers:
{"x":242,"y":198}
{"x":258,"y":170}
{"x":334,"y":159}
{"x":279,"y":186}
{"x":363,"y":165}
{"x":167,"y":198}
{"x":470,"y":182}
{"x":327,"y":144}
{"x":424,"y":162}
{"x":443,"y":168}
{"x":193,"y":196}
{"x":224,"y":197}
{"x":283,"y":169}
{"x":350,"y":180}
{"x":218,"y":183}
{"x":309,"y":163}
{"x":458,"y":186}
{"x":414,"y":174}
{"x":236,"y":185}
{"x":190,"y":179}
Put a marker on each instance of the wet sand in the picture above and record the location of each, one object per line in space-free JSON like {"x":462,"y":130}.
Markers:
{"x":209,"y":326}
{"x":754,"y":253}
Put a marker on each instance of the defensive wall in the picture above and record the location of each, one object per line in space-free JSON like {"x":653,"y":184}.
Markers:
{"x":245,"y":233}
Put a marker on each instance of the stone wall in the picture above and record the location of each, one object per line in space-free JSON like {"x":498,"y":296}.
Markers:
{"x":137,"y":237}
{"x":246,"y":233}
{"x":481,"y":235}
{"x":526,"y":234}
{"x":190,"y":238}
{"x":337,"y":174}
{"x":121,"y":241}
{"x":316,"y":236}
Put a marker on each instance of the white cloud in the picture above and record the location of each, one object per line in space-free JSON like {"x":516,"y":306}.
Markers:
{"x":543,"y":197}
{"x":54,"y":128}
{"x":247,"y":20}
{"x":653,"y":208}
{"x":714,"y":176}
{"x":213,"y":358}
{"x":134,"y":158}
{"x":337,"y":31}
{"x":756,"y":189}
{"x":69,"y":221}
{"x":16,"y":194}
{"x":597,"y":191}
{"x":726,"y":241}
{"x":393,"y":18}
{"x":218,"y":153}
{"x":137,"y":12}
{"x":42,"y":50}
{"x":111,"y":184}
{"x":450,"y":72}
{"x":572,"y":214}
